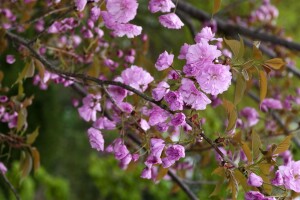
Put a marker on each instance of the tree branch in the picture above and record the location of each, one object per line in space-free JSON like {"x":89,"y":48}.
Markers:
{"x":11,"y":187}
{"x":231,"y":29}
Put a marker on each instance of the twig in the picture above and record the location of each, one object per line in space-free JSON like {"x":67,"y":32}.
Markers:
{"x":231,"y":29}
{"x":11,"y":187}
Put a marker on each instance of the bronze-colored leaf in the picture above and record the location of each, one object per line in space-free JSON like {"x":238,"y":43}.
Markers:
{"x":247,"y":151}
{"x":217,"y":5}
{"x":234,"y":46}
{"x":240,"y":88}
{"x":283,"y":146}
{"x":31,"y":137}
{"x":265,"y":168}
{"x":161,"y":173}
{"x":275,"y":63}
{"x":36,"y":158}
{"x":256,"y":144}
{"x":40,"y":67}
{"x":219,"y":171}
{"x":234,"y":186}
{"x":257,"y":55}
{"x":25,"y":164}
{"x":241,"y":179}
{"x":263,"y":85}
{"x":27,"y":72}
{"x":217,"y":189}
{"x":232,"y":114}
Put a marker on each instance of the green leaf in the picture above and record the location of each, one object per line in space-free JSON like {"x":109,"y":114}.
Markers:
{"x":283,"y":146}
{"x":219,"y":171}
{"x":237,"y":48}
{"x":31,"y":137}
{"x":27,"y":72}
{"x":247,"y":151}
{"x":240,"y":88}
{"x":263,"y":85}
{"x":256,"y":144}
{"x":217,"y":5}
{"x":22,"y":115}
{"x":275,"y":63}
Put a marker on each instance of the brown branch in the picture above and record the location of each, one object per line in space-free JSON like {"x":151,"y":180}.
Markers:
{"x":231,"y":29}
{"x":11,"y":187}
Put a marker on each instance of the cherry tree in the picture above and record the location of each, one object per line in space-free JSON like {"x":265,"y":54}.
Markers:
{"x":99,"y":49}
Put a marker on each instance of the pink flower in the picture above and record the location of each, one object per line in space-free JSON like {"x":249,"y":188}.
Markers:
{"x":156,"y":148}
{"x":191,"y":96}
{"x":122,"y":11}
{"x":290,"y":175}
{"x":251,"y":116}
{"x":164,"y":61}
{"x":170,"y":21}
{"x":10,"y":59}
{"x":178,"y":119}
{"x":80,"y":4}
{"x":160,"y":91}
{"x":144,"y":125}
{"x":146,"y":173}
{"x":157,"y":115}
{"x":255,"y":195}
{"x":104,"y":123}
{"x":174,"y":99}
{"x":95,"y":13}
{"x":214,"y":79}
{"x":278,"y":180}
{"x":129,"y":30}
{"x":173,"y":153}
{"x":3,"y":169}
{"x":270,"y":103}
{"x":117,"y":93}
{"x":137,"y":78}
{"x":160,"y":5}
{"x":96,"y":139}
{"x":201,"y":54}
{"x":91,"y":105}
{"x":205,"y":34}
{"x":254,"y":180}
{"x":183,"y":51}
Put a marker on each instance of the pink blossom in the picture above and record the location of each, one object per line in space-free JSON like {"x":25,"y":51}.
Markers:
{"x":201,"y":54}
{"x":91,"y":105}
{"x":157,"y":115}
{"x":80,"y":4}
{"x":3,"y":169}
{"x":137,"y":78}
{"x":104,"y":123}
{"x":129,"y":30}
{"x":146,"y":173}
{"x":174,"y":99}
{"x":183,"y":51}
{"x":193,"y":97}
{"x":270,"y":103}
{"x":122,"y":11}
{"x":160,"y":6}
{"x":144,"y":125}
{"x":254,"y":180}
{"x":156,"y":148}
{"x":205,"y":34}
{"x":173,"y":153}
{"x":178,"y":119}
{"x":171,"y":21}
{"x":160,"y":91}
{"x":164,"y":61}
{"x":290,"y":175}
{"x":117,"y":93}
{"x":214,"y":79}
{"x":10,"y":59}
{"x":278,"y":180}
{"x":251,"y":116}
{"x":96,"y":139}
{"x":95,"y":13}
{"x":255,"y":195}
